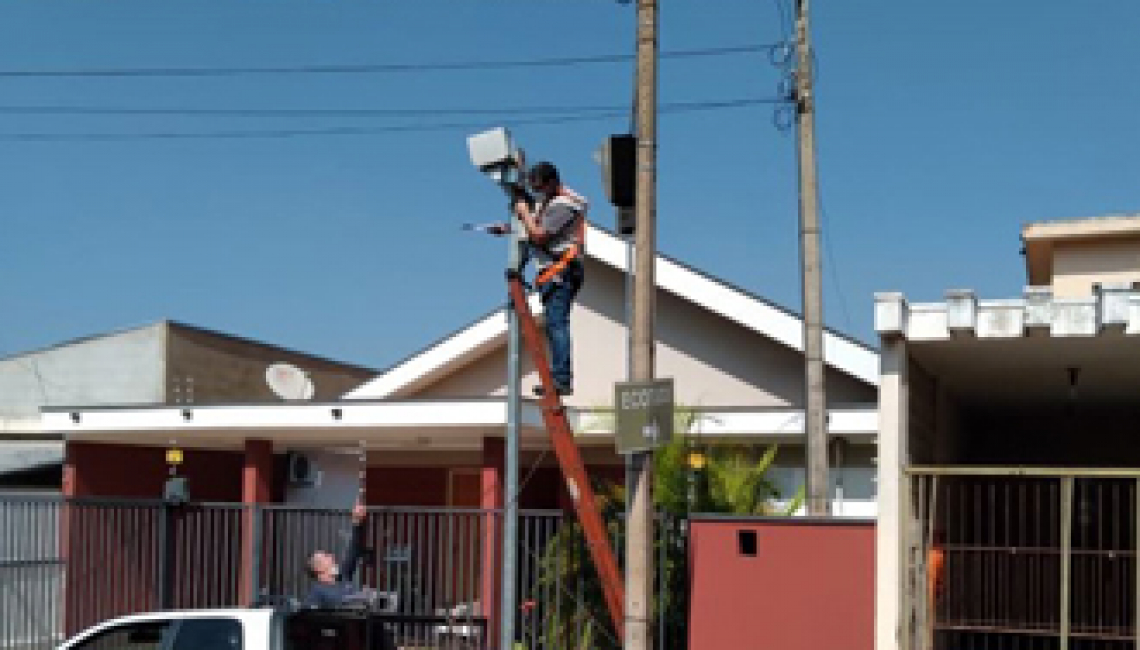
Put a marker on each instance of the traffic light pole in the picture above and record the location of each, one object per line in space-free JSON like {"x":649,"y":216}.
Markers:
{"x":509,"y":597}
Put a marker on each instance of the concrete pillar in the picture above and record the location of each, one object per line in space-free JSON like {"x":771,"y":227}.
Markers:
{"x":70,"y":481}
{"x":257,"y":471}
{"x":893,"y":406}
{"x":961,"y":312}
{"x":256,"y":483}
{"x":492,"y":501}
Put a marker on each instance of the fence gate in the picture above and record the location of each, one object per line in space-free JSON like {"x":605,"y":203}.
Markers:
{"x":1020,"y":559}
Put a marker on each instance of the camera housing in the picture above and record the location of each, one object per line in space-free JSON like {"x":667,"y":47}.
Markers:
{"x":494,"y":153}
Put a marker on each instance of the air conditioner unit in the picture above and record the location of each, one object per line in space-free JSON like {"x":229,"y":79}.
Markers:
{"x":303,"y":470}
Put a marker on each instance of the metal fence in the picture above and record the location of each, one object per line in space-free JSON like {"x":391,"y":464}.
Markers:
{"x":31,"y":573}
{"x":68,"y":563}
{"x":1016,"y":559}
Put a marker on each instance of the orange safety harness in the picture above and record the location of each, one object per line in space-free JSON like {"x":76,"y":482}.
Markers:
{"x":571,"y":253}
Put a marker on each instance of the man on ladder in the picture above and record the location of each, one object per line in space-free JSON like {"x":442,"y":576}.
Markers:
{"x":556,"y":231}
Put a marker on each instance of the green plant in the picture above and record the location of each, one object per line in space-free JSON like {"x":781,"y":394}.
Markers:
{"x":734,"y":479}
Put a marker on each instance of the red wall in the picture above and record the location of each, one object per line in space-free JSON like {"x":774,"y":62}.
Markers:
{"x":809,"y":587}
{"x":407,"y":486}
{"x":107,"y":470}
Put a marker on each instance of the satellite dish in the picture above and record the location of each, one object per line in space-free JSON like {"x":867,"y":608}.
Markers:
{"x":289,"y":382}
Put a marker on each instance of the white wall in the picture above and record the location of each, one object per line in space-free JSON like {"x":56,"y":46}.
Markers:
{"x":337,"y":486}
{"x":714,"y":361}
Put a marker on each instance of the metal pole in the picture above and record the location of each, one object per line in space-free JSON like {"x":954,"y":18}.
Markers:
{"x":511,"y":449}
{"x":254,"y":558}
{"x":168,"y":545}
{"x":1136,"y":562}
{"x":1066,"y":557}
{"x":629,"y":474}
{"x":639,"y":522}
{"x":815,"y":401}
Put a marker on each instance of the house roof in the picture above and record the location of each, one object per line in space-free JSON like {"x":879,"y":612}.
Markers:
{"x":173,"y":324}
{"x":726,"y":300}
{"x":1121,"y":225}
{"x":1039,"y":349}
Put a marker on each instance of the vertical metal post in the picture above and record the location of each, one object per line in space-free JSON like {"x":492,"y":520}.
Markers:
{"x":906,"y":569}
{"x":511,"y":449}
{"x":255,"y":552}
{"x":1136,"y":561}
{"x":929,"y":612}
{"x":1066,"y":556}
{"x":629,"y":274}
{"x":166,"y":544}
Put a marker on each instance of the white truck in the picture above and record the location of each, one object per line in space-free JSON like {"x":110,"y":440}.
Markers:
{"x":246,"y":629}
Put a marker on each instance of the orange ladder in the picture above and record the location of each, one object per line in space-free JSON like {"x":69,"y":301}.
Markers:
{"x":570,"y":460}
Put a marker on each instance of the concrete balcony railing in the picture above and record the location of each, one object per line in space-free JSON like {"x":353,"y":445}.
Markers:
{"x":1113,"y":308}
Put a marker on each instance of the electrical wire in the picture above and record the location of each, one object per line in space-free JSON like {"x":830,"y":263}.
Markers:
{"x":834,"y":267}
{"x":82,"y":110}
{"x":590,"y":115}
{"x":375,"y":68}
{"x":785,"y":14}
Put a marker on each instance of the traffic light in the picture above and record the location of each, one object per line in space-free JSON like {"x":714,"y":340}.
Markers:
{"x":618,"y":159}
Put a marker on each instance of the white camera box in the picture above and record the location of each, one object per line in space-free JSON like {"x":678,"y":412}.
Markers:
{"x":492,"y":151}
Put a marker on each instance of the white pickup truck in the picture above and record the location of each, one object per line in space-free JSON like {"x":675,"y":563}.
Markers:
{"x":240,"y":629}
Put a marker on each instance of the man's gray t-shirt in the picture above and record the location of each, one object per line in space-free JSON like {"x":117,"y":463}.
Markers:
{"x":559,"y":217}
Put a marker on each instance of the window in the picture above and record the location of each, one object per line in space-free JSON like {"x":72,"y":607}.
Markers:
{"x":208,"y":634}
{"x":187,"y":634}
{"x":148,"y":635}
{"x":746,"y":542}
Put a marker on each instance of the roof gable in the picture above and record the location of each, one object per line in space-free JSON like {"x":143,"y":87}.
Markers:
{"x":725,"y":300}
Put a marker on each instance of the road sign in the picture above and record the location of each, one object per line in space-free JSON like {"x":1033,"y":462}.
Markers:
{"x":644,"y":414}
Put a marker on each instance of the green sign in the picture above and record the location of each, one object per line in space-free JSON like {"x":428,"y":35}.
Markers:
{"x":644,"y":414}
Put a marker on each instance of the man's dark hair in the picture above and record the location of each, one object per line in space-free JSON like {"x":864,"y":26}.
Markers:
{"x":543,"y":173}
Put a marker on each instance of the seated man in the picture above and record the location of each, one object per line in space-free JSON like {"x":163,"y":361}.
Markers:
{"x":332,"y":586}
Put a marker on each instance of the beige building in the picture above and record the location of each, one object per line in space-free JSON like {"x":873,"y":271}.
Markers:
{"x":1075,"y":257}
{"x":1009,"y":460}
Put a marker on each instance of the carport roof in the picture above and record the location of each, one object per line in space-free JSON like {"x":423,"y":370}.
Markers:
{"x":1023,"y":350}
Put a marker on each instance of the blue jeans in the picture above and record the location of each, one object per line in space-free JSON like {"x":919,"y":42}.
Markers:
{"x":557,"y":298}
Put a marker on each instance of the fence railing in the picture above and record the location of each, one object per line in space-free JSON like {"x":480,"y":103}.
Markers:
{"x":66,"y":564}
{"x":1021,"y":558}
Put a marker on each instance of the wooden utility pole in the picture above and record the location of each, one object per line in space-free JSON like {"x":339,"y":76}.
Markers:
{"x":815,"y":399}
{"x":639,"y":520}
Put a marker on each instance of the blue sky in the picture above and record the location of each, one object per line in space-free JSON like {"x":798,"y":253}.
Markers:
{"x":943,"y":127}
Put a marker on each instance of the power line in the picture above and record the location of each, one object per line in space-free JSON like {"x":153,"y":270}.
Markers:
{"x":376,"y":68}
{"x":291,"y":112}
{"x":588,"y":115}
{"x":831,"y":259}
{"x":79,"y":110}
{"x":786,"y":26}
